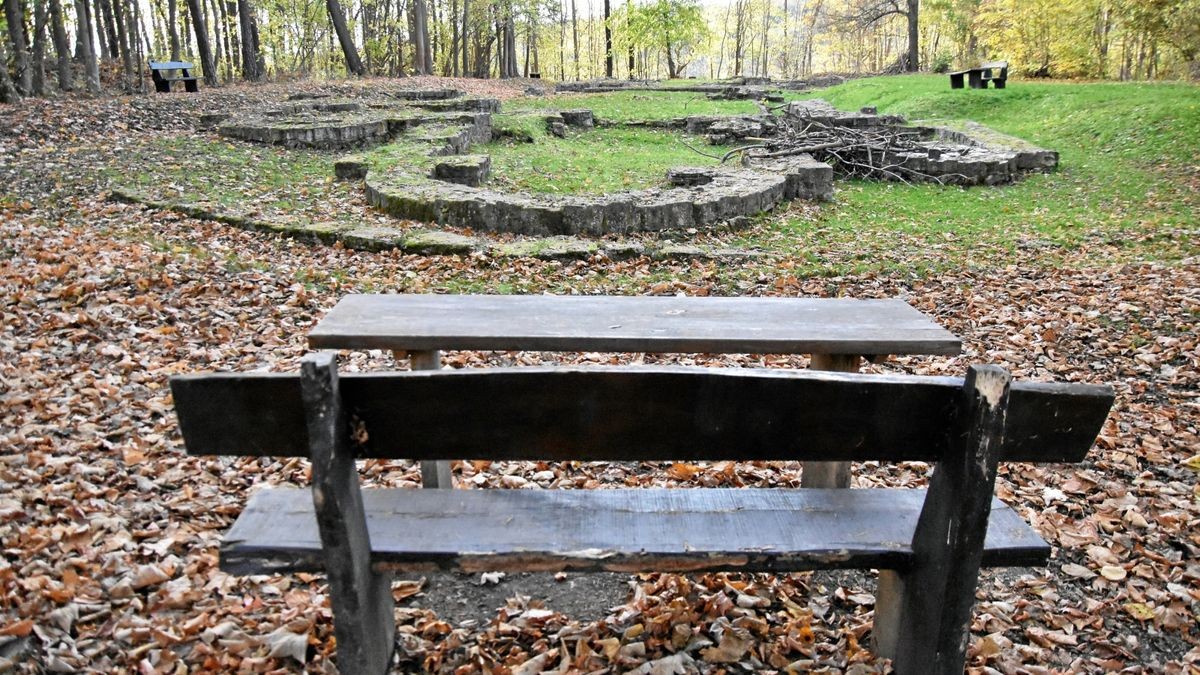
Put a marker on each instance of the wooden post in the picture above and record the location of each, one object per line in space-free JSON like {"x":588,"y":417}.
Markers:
{"x":829,"y":474}
{"x":928,"y":623}
{"x":362,"y":600}
{"x":434,"y":474}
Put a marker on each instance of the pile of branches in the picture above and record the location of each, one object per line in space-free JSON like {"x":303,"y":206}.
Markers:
{"x":877,"y":152}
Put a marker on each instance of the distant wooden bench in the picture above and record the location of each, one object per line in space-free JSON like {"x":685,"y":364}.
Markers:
{"x":929,"y":545}
{"x":160,"y":72}
{"x":995,"y":72}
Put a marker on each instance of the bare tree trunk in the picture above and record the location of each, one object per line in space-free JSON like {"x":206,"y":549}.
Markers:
{"x":508,"y":50}
{"x":22,"y":75}
{"x":914,"y":36}
{"x":338,"y":18}
{"x":465,"y":16}
{"x":451,"y":67}
{"x":39,"y":48}
{"x":575,"y":36}
{"x":422,"y":57}
{"x":8,"y":90}
{"x":766,"y":29}
{"x":62,"y":46}
{"x":211,"y":12}
{"x":87,"y":50}
{"x":106,"y":28}
{"x":608,"y":54}
{"x":739,"y":36}
{"x":225,"y":11}
{"x":250,"y":47}
{"x":562,"y":41}
{"x":124,"y":39}
{"x":172,"y":28}
{"x":206,"y":58}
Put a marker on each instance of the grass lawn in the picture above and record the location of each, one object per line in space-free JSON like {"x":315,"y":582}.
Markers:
{"x":634,"y":105}
{"x":1126,"y":188}
{"x":592,"y":162}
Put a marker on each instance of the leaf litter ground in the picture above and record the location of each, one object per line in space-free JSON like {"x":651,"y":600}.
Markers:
{"x":110,"y":533}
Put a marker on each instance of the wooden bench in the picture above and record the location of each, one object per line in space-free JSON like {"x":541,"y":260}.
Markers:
{"x":837,"y":332}
{"x":929,"y":545}
{"x":160,"y":72}
{"x":995,"y":72}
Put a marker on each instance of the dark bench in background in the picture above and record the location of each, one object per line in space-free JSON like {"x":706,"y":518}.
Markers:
{"x":995,"y":72}
{"x":160,"y":72}
{"x":929,"y":545}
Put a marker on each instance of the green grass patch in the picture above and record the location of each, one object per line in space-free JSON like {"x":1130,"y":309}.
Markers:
{"x":591,"y":162}
{"x":634,"y":105}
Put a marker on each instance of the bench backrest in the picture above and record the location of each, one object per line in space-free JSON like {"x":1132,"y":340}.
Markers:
{"x":634,"y":413}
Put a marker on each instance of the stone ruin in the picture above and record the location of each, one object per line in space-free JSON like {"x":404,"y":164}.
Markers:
{"x":440,"y":179}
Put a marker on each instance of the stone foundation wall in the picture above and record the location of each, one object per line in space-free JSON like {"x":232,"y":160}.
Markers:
{"x":730,"y":194}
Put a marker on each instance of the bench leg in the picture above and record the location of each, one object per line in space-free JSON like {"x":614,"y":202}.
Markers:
{"x":434,"y":474}
{"x":363,"y":612}
{"x":829,"y":474}
{"x":192,"y":86}
{"x":938,"y":593}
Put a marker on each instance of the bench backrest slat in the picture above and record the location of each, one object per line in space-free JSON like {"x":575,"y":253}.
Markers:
{"x":627,"y":413}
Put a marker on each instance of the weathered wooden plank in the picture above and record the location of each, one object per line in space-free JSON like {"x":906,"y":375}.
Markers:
{"x":939,"y":589}
{"x":631,"y":324}
{"x":614,"y":530}
{"x":630,"y":413}
{"x":361,"y":597}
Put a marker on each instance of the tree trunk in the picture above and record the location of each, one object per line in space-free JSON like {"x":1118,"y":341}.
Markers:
{"x":22,"y":74}
{"x":39,"y":48}
{"x":213,"y":18}
{"x":914,"y":36}
{"x":671,"y":74}
{"x":353,"y":64}
{"x":62,"y":46}
{"x":8,"y":90}
{"x":206,"y":57}
{"x":508,"y":51}
{"x":225,"y":11}
{"x":172,"y":28}
{"x":422,"y":56}
{"x":87,"y":50}
{"x":465,"y":44}
{"x":124,"y":40}
{"x":608,"y":53}
{"x":451,"y":67}
{"x":106,"y":28}
{"x":249,"y":40}
{"x":575,"y":37}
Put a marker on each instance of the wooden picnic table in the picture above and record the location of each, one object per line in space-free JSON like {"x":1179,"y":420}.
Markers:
{"x":837,"y":332}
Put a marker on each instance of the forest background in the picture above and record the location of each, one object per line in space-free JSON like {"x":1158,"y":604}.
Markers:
{"x":44,"y":49}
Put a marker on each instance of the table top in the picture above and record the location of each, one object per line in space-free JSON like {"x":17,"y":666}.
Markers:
{"x":631,"y":324}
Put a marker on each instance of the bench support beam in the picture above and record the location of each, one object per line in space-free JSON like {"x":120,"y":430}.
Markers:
{"x":364,"y":621}
{"x":434,"y":474}
{"x":829,"y":474}
{"x":936,"y":595}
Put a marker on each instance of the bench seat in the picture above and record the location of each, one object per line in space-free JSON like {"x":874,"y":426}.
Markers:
{"x":621,"y":530}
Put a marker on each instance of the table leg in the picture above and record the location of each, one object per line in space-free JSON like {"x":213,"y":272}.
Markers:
{"x":434,"y":474}
{"x":829,"y":474}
